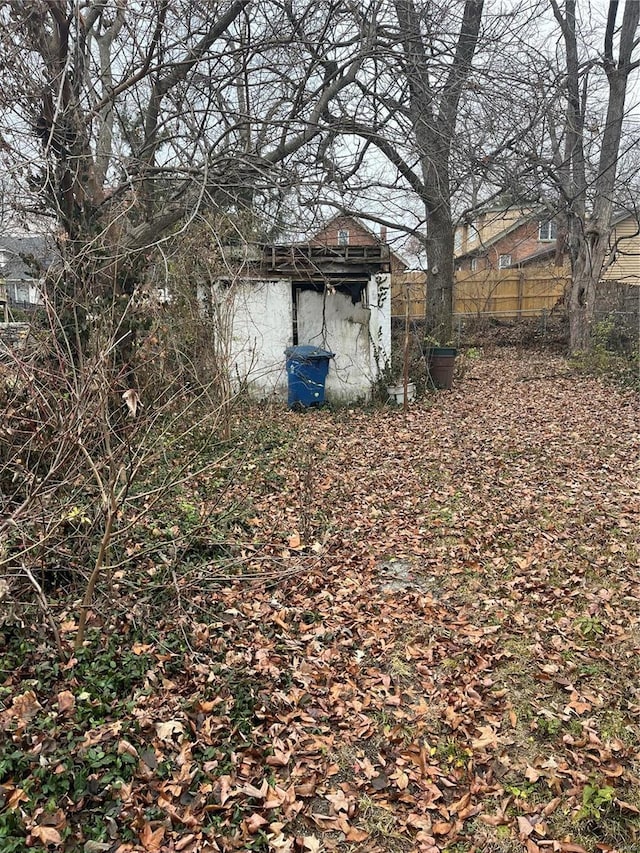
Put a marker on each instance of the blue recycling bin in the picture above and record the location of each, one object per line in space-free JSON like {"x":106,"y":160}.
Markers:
{"x":307,"y":368}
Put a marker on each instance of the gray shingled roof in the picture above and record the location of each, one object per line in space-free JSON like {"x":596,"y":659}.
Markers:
{"x":25,"y":256}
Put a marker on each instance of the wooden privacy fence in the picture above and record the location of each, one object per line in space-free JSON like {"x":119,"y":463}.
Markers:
{"x":408,"y":285}
{"x":487,"y":293}
{"x":508,"y":293}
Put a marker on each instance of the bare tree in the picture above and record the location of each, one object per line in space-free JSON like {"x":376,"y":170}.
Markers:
{"x":406,"y":106}
{"x":589,"y":229}
{"x":432,"y":65}
{"x":136,"y":128}
{"x":433,"y":116}
{"x":144,"y":113}
{"x":571,"y":159}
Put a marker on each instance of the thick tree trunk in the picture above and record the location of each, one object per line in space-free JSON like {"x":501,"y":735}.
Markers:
{"x":587,"y":268}
{"x":589,"y":236}
{"x":434,"y":114}
{"x":439,"y":319}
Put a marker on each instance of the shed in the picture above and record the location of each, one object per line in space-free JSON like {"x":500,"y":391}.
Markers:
{"x":334,"y":295}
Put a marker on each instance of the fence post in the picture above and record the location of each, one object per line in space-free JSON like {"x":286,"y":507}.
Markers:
{"x":520,"y":293}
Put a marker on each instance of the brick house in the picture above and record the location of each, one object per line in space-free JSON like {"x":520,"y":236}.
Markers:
{"x":513,"y":262}
{"x":347,"y":231}
{"x":505,"y":238}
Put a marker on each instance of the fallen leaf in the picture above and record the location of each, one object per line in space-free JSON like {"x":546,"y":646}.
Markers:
{"x":171,"y":730}
{"x":493,"y":820}
{"x":525,"y":828}
{"x":254,"y":823}
{"x":47,"y":835}
{"x":531,"y":774}
{"x":151,"y":839}
{"x":66,"y":701}
{"x":338,"y":801}
{"x":356,"y":835}
{"x":16,"y":797}
{"x":487,"y":738}
{"x":26,"y":706}
{"x":126,"y":748}
{"x":401,"y":779}
{"x":627,"y":807}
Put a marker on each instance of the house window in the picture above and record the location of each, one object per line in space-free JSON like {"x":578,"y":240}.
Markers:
{"x":457,"y":240}
{"x":504,"y":261}
{"x":343,"y":237}
{"x":547,"y":231}
{"x":474,"y":264}
{"x":18,"y":292}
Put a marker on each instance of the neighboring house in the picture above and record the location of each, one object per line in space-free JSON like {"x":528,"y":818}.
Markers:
{"x":23,"y":260}
{"x":509,"y":263}
{"x":512,"y":262}
{"x":489,"y":252}
{"x":332,"y":292}
{"x":623,"y":262}
{"x":504,"y":238}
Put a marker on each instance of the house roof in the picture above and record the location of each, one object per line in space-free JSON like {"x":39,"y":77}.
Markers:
{"x":538,"y":214}
{"x":483,"y":245}
{"x":308,"y":261}
{"x":25,"y":256}
{"x":347,"y":218}
{"x":620,"y":216}
{"x":322,"y":260}
{"x":546,"y":251}
{"x":397,"y":261}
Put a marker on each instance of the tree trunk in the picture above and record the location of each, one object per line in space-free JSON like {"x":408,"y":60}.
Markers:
{"x":587,"y":268}
{"x":589,"y":236}
{"x":439,"y":247}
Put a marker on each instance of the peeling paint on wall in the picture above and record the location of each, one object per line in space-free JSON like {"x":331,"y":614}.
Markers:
{"x":262,"y":329}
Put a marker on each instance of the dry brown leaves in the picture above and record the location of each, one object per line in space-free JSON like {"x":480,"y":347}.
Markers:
{"x":471,"y":702}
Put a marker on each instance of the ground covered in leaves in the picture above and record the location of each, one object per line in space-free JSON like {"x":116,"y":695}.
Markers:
{"x":414,"y":633}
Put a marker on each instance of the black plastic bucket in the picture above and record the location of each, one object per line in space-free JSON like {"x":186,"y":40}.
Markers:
{"x":441,"y":361}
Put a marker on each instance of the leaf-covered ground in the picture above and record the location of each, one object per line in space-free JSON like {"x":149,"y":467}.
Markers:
{"x":425,"y":638}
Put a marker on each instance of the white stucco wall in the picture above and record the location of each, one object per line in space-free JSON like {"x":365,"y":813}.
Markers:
{"x":380,"y":301}
{"x":261,"y":330}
